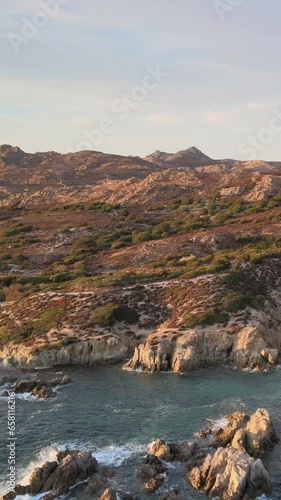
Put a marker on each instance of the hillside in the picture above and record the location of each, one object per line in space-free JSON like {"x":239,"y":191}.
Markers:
{"x":176,"y":256}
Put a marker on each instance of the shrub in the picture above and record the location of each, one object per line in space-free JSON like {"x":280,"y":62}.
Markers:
{"x":18,"y":229}
{"x":210,"y":317}
{"x":47,"y":320}
{"x":104,"y":315}
{"x":108,"y":314}
{"x":234,"y":302}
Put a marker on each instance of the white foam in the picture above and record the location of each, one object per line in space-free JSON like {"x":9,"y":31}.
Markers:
{"x":25,"y":396}
{"x":220,"y":423}
{"x":116,"y":455}
{"x":29,"y":497}
{"x":48,"y":454}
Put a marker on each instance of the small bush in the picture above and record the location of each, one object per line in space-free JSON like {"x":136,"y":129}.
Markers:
{"x":210,"y":317}
{"x":104,"y":315}
{"x":234,"y":302}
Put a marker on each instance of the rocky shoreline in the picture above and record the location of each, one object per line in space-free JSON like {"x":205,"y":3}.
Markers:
{"x":147,"y":328}
{"x":34,"y":386}
{"x":225,"y":463}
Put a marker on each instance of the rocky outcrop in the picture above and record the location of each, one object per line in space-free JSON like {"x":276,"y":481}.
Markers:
{"x":209,"y":346}
{"x":151,"y":473}
{"x":231,"y":474}
{"x":58,"y":477}
{"x":109,"y":349}
{"x":259,"y":435}
{"x":186,"y":451}
{"x":41,"y":389}
{"x":234,"y":472}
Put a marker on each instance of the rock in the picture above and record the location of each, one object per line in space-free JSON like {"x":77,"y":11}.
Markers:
{"x":43,"y":392}
{"x":162,"y":450}
{"x":96,"y":484}
{"x":194,"y":477}
{"x":107,"y":471}
{"x":19,"y":490}
{"x":154,"y":484}
{"x":39,"y":477}
{"x":152,"y":468}
{"x":260,"y":434}
{"x":224,"y":436}
{"x":231,"y":474}
{"x":111,"y":494}
{"x":56,"y":478}
{"x":65,"y":380}
{"x":24,"y":386}
{"x":185,"y":451}
{"x":204,"y":433}
{"x":71,"y":470}
{"x":8,"y":380}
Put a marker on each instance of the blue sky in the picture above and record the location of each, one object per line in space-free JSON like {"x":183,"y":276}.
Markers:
{"x":221,"y":83}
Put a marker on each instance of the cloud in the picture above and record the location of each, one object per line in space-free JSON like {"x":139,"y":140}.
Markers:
{"x":162,"y":119}
{"x":219,"y":117}
{"x":254,"y":105}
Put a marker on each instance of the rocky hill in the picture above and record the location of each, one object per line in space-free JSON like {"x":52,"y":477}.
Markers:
{"x":172,"y":260}
{"x":42,"y":179}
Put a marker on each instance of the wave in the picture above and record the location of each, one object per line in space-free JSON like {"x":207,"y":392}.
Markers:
{"x":113,"y":455}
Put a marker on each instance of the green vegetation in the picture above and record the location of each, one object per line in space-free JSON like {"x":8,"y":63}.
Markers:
{"x":210,"y":317}
{"x":109,"y":314}
{"x":17,"y":336}
{"x":47,"y":320}
{"x":234,"y":302}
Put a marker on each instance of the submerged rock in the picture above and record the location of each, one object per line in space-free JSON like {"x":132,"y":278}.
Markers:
{"x":111,"y":494}
{"x":24,"y":386}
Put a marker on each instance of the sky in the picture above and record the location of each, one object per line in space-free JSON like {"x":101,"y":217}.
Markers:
{"x":130,"y":77}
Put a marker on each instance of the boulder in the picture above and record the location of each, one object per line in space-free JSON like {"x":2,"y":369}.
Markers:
{"x":24,"y":386}
{"x":56,"y":478}
{"x":231,"y":474}
{"x":71,"y":470}
{"x":39,"y":477}
{"x":154,"y":484}
{"x":65,"y":380}
{"x":203,"y":434}
{"x":162,"y":450}
{"x":260,"y":434}
{"x":96,"y":484}
{"x":152,"y":467}
{"x":111,"y":494}
{"x":107,"y":471}
{"x":185,"y":451}
{"x":224,"y":435}
{"x":43,"y":392}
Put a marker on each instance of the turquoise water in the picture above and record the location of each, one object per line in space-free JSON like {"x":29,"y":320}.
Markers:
{"x":116,"y":414}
